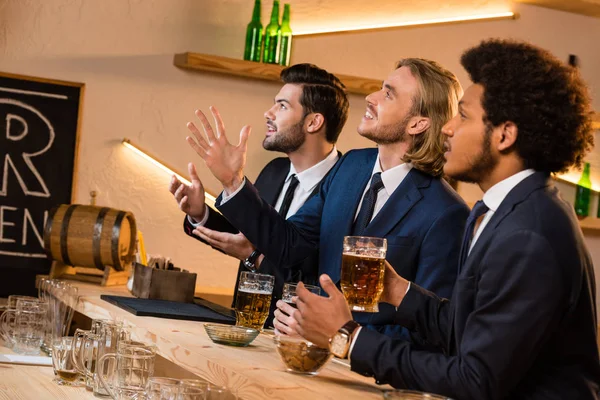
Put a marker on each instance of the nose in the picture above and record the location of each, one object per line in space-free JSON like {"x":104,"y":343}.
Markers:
{"x":269,"y":114}
{"x":370,"y":98}
{"x":448,"y":128}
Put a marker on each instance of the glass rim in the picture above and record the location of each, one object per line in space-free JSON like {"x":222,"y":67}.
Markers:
{"x":257,"y":274}
{"x":306,"y":285}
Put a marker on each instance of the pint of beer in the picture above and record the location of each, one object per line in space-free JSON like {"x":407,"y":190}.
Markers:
{"x":363,"y":268}
{"x":253,"y":299}
{"x":289,"y":292}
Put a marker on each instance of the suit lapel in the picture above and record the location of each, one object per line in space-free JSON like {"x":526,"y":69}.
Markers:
{"x":406,"y":195}
{"x":270,"y":192}
{"x":352,"y":190}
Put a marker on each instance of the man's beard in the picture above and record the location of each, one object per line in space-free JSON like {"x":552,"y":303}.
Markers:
{"x":389,"y":134}
{"x":482,"y":165}
{"x":286,"y":141}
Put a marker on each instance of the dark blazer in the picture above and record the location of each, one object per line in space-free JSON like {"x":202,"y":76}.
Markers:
{"x":269,"y":183}
{"x":522,"y":321}
{"x":422,"y":221}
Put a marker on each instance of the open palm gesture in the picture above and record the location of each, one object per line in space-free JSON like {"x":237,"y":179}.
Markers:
{"x":225,"y":160}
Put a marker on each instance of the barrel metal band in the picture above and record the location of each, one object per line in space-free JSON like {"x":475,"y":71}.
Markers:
{"x":64,"y":230}
{"x":48,"y":230}
{"x":97,"y":238}
{"x":115,"y":241}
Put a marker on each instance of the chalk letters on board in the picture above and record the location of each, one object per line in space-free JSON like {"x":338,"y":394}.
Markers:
{"x":39,"y":121}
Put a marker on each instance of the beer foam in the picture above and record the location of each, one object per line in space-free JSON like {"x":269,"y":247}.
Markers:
{"x":255,"y":291}
{"x":363,"y":254}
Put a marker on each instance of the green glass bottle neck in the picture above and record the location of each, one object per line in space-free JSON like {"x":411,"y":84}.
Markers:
{"x":256,"y":12}
{"x":275,"y":12}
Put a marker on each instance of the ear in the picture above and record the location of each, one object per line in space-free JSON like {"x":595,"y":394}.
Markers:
{"x":508,"y":136}
{"x":314,"y":122}
{"x":417,"y":125}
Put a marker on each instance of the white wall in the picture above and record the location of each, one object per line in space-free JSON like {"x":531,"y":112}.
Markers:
{"x":123,"y":50}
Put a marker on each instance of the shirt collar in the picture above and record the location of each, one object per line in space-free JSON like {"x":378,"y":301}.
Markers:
{"x":309,"y":178}
{"x":393,"y":177}
{"x":496,"y":194}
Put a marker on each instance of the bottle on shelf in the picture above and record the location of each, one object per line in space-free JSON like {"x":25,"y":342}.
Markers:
{"x":582,"y":196}
{"x":254,"y":35}
{"x":286,"y":37}
{"x":272,"y":37}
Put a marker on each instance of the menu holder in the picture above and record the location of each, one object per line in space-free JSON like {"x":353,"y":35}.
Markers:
{"x":163,"y":284}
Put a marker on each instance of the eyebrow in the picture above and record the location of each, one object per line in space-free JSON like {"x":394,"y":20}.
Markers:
{"x":282,"y":101}
{"x":390,"y":88}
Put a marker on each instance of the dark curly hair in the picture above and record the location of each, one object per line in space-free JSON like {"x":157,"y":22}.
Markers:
{"x":323,"y":93}
{"x":546,"y":99}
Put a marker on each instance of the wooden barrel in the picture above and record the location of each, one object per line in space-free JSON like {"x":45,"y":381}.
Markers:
{"x":90,"y":236}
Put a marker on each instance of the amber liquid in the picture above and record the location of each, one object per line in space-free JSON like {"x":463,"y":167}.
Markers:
{"x":252,"y":308}
{"x":362,"y":281}
{"x":68,"y":376}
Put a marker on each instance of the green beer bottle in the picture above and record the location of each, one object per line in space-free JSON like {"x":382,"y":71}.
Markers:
{"x":254,"y":35}
{"x":286,"y":37}
{"x":272,"y":37}
{"x":582,"y":197}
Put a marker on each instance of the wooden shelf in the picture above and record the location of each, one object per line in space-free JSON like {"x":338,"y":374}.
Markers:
{"x":268,"y":72}
{"x":590,"y":224}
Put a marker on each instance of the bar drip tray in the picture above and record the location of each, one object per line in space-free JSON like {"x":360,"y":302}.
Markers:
{"x":200,"y":310}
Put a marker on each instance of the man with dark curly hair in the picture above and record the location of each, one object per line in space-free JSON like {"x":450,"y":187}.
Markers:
{"x":521,"y":323}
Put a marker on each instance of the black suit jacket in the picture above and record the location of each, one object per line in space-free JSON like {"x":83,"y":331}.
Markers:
{"x":522,"y":321}
{"x":269,"y":184}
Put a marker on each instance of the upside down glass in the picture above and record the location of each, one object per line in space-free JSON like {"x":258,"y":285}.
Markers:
{"x":363,"y":269}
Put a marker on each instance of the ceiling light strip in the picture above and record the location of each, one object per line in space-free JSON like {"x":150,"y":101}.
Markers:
{"x":462,"y":18}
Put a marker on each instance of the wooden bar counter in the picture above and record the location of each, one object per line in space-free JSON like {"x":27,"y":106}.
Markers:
{"x":253,"y":372}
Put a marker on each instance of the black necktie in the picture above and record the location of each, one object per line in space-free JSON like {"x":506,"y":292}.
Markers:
{"x":289,"y":196}
{"x":478,"y":210}
{"x":368,"y":205}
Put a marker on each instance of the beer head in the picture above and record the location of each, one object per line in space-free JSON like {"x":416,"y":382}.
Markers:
{"x":365,"y":246}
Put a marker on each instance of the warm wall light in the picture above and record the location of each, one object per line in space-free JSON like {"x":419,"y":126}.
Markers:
{"x":210,"y":199}
{"x":477,"y":17}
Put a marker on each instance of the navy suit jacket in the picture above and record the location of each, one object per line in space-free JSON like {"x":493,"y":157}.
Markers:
{"x":423,"y":221}
{"x":269,"y":183}
{"x":522,"y":321}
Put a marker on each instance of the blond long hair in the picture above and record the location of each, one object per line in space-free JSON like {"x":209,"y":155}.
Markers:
{"x":437,"y":99}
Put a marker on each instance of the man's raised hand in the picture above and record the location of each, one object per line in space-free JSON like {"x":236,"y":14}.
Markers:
{"x":225,"y":160}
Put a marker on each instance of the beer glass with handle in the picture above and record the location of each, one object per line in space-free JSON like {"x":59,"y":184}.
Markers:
{"x":363,"y":268}
{"x":253,"y":299}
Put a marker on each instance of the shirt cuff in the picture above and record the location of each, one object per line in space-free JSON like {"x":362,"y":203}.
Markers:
{"x":354,"y":337}
{"x":201,"y":222}
{"x":225,"y":197}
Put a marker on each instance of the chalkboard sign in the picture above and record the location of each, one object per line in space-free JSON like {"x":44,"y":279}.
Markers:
{"x":39,"y":124}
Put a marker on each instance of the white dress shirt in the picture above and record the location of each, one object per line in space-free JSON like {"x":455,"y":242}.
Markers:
{"x":307,"y":181}
{"x":494,"y":197}
{"x":392,"y":178}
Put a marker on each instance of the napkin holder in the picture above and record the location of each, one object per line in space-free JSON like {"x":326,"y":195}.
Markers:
{"x":163,"y":284}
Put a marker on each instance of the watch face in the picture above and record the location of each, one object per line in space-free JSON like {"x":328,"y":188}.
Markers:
{"x":339,"y":343}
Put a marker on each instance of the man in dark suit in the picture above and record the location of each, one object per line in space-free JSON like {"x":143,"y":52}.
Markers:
{"x":521,"y":323}
{"x":304,"y":122}
{"x":394,"y":191}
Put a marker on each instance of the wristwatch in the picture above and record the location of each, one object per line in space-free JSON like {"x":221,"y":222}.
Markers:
{"x":339,"y":344}
{"x":250,"y":262}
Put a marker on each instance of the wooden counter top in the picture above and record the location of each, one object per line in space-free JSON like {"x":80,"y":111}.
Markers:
{"x":254,"y":372}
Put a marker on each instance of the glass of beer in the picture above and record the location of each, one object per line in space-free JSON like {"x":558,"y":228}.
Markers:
{"x":253,"y":299}
{"x":289,"y":292}
{"x":363,"y":268}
